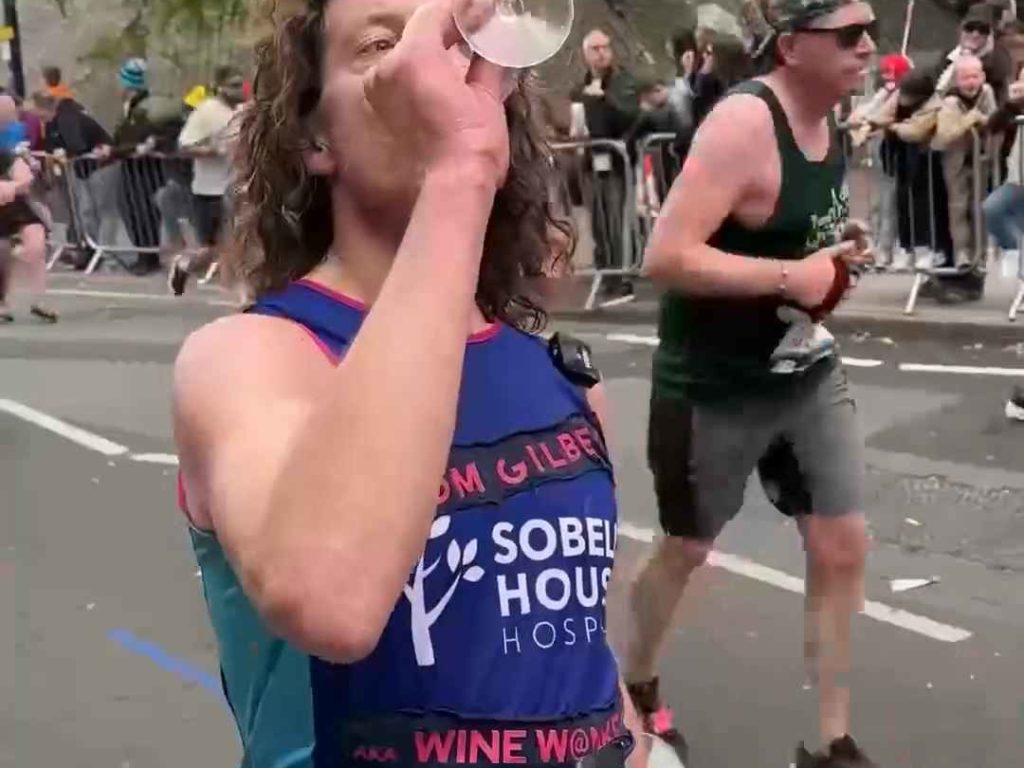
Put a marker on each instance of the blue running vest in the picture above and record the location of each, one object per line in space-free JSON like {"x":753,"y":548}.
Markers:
{"x":496,"y":653}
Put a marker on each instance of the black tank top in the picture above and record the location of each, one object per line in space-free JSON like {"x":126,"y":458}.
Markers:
{"x":716,"y":348}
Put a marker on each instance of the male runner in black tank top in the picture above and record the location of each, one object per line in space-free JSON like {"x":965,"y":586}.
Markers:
{"x":754,"y":248}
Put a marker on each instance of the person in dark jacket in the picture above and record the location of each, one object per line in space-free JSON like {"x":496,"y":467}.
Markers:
{"x":149,"y":125}
{"x":922,"y":200}
{"x":657,"y":116}
{"x":68,"y":128}
{"x":70,"y":131}
{"x":611,"y":104}
{"x":977,"y":38}
{"x":724,"y":63}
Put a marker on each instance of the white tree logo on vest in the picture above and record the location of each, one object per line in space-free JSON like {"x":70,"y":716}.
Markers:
{"x":519,"y":595}
{"x":460,"y":563}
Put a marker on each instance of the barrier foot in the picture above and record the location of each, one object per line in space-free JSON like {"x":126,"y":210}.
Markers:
{"x":919,"y":279}
{"x":210,"y":273}
{"x":52,"y":261}
{"x":595,"y":286}
{"x":1017,"y":303}
{"x":95,"y":261}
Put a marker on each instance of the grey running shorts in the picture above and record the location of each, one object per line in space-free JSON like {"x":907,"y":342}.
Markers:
{"x":806,"y":444}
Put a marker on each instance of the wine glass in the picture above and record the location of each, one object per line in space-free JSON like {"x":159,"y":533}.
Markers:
{"x":653,"y":752}
{"x":516,"y":34}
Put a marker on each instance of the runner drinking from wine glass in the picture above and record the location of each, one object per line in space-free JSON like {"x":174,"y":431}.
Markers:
{"x":400,"y":498}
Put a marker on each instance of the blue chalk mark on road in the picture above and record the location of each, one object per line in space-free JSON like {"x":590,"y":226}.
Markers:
{"x":180,"y":668}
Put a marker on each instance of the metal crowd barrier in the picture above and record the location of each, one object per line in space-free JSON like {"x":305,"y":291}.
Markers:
{"x":981,"y":163}
{"x":890,"y":174}
{"x":903,"y":187}
{"x":598,"y":176}
{"x":117,"y":205}
{"x":107,"y":209}
{"x":657,"y":168}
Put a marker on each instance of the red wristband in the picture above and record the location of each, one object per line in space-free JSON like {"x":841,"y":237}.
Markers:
{"x":840,"y":285}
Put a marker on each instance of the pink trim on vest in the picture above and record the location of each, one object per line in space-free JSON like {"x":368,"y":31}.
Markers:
{"x":330,"y":293}
{"x":480,"y":336}
{"x":485,"y":334}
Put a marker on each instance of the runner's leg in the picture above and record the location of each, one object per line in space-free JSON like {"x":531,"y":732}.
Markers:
{"x":835,"y":582}
{"x":656,"y":595}
{"x":701,"y":458}
{"x":31,"y":263}
{"x":816,"y":473}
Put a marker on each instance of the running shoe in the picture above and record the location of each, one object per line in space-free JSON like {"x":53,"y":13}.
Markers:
{"x":1015,"y":405}
{"x":5,"y":315}
{"x":44,"y":314}
{"x":657,"y":716}
{"x":177,"y":279}
{"x":842,"y":753}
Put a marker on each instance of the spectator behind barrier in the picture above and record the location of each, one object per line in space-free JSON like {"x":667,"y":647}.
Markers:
{"x":71,"y":132}
{"x":684,"y":53}
{"x":657,"y":115}
{"x":608,"y":93}
{"x":1011,"y":38}
{"x":725,"y":63}
{"x":977,"y":38}
{"x":1004,"y":208}
{"x":174,"y":199}
{"x":865,"y":121}
{"x":922,"y":207}
{"x":150,"y":123}
{"x":755,"y":28}
{"x":868,"y":116}
{"x":611,"y":105}
{"x":208,"y":136}
{"x":33,"y":125}
{"x":966,"y":109}
{"x":53,"y":83}
{"x":68,"y":128}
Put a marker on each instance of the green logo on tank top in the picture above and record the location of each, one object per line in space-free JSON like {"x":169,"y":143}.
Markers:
{"x":825,"y":228}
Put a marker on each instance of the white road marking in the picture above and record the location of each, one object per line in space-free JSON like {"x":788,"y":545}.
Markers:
{"x":167,"y":459}
{"x":68,"y":431}
{"x":110,"y":294}
{"x":858,"y":362}
{"x":968,"y":370}
{"x":629,"y":338}
{"x":652,"y":341}
{"x":124,"y":295}
{"x":741,"y":566}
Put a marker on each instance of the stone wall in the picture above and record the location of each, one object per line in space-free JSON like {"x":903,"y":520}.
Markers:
{"x":70,"y":43}
{"x":47,"y":38}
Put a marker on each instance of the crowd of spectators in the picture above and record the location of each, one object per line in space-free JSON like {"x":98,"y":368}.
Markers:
{"x":925,"y":126}
{"x":943,"y":134}
{"x":939,"y":134}
{"x":177,"y":170}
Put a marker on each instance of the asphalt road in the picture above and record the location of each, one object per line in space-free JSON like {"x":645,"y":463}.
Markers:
{"x":112,"y":663}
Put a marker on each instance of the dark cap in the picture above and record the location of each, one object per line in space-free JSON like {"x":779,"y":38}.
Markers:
{"x":979,"y":13}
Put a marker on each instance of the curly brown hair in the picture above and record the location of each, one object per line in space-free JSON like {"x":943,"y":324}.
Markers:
{"x":283,"y":223}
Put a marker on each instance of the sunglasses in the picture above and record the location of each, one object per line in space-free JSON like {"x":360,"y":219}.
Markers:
{"x":977,"y":26}
{"x":847,"y":37}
